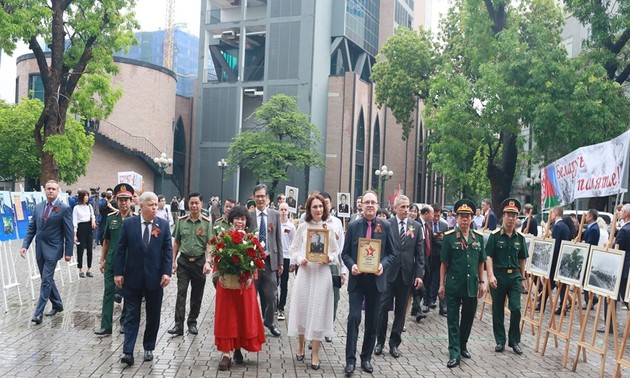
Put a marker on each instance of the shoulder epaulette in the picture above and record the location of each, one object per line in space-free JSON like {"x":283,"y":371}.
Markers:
{"x":206,"y":218}
{"x":115,"y":212}
{"x":449,"y":232}
{"x":496,"y":231}
{"x":478,"y":232}
{"x":184,"y":216}
{"x":520,"y":233}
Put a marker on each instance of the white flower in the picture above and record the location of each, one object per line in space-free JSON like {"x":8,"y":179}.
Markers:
{"x":251,"y":263}
{"x":263,"y":244}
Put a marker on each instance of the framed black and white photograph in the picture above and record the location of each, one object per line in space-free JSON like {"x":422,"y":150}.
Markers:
{"x":343,"y":205}
{"x":317,"y":245}
{"x":603,"y":273}
{"x":572,"y":261}
{"x":540,"y":257}
{"x":291,"y":194}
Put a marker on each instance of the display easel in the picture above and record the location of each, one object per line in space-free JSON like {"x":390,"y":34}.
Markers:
{"x":8,"y":274}
{"x":584,"y":345}
{"x":555,"y":328}
{"x":530,"y":314}
{"x":620,"y":360}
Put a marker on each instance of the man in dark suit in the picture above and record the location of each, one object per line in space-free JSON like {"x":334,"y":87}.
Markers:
{"x":405,"y":273}
{"x":365,"y":286}
{"x":438,"y":227}
{"x":559,"y":232}
{"x":343,"y":204}
{"x":590,"y":236}
{"x":51,"y":226}
{"x":529,"y":226}
{"x":489,"y":217}
{"x":143,"y":268}
{"x":269,"y":234}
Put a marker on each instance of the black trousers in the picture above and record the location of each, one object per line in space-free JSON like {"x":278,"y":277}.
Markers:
{"x":189,"y":273}
{"x":365,"y":291}
{"x":84,"y":237}
{"x":400,"y":292}
{"x":284,"y":285}
{"x":153,"y":307}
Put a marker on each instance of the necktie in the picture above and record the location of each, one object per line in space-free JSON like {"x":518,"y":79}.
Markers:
{"x":47,"y":212}
{"x":427,"y":241}
{"x":368,"y":233}
{"x":146,"y":235}
{"x":262,"y":230}
{"x":402,"y":231}
{"x":435,"y":230}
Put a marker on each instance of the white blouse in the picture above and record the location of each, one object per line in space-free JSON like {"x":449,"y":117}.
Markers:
{"x":82,"y":213}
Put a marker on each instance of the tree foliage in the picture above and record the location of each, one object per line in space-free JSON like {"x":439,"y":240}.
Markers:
{"x":284,"y":138}
{"x":22,"y":160}
{"x":82,"y":36}
{"x":499,"y":67}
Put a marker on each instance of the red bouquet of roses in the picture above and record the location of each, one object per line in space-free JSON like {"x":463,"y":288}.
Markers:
{"x":238,"y":253}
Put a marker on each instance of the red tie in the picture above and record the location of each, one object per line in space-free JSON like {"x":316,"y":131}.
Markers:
{"x":368,"y":233}
{"x":427,"y":240}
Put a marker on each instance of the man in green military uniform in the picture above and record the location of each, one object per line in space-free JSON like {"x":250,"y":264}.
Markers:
{"x":462,"y":260}
{"x":190,"y":238}
{"x":506,"y":269}
{"x":221,"y":224}
{"x":111,"y":235}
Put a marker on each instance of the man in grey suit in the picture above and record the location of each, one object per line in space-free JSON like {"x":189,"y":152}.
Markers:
{"x":269,"y":234}
{"x":405,"y":272}
{"x":51,"y":226}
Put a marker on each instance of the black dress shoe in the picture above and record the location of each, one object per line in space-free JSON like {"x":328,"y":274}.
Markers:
{"x":442,"y":312}
{"x":558,"y":311}
{"x":432,"y":305}
{"x":192,"y":329}
{"x":378,"y":349}
{"x":328,"y":339}
{"x":452,"y":363}
{"x":349,"y":369}
{"x":275,"y":331}
{"x":118,"y":298}
{"x":37,"y":319}
{"x":225,"y":363}
{"x":394,"y":351}
{"x":148,"y":355}
{"x":499,"y":348}
{"x":517,"y":349}
{"x":127,"y":359}
{"x":465,"y":353}
{"x":103,"y":331}
{"x":54,"y":311}
{"x":177,"y":331}
{"x":238,"y":356}
{"x":315,"y":366}
{"x":367,"y":366}
{"x":420,"y":317}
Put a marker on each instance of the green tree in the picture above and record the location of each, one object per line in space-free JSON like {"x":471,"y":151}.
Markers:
{"x":72,"y":150}
{"x":82,"y":36}
{"x":284,"y":136}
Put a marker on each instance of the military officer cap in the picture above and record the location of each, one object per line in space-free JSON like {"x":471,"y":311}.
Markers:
{"x":511,"y":205}
{"x":250,"y":203}
{"x":464,"y":206}
{"x":123,"y":190}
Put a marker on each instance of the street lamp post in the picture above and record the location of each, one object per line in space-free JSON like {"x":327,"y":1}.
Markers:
{"x":163,"y":162}
{"x":384,"y":174}
{"x":532,"y":181}
{"x":222,"y":164}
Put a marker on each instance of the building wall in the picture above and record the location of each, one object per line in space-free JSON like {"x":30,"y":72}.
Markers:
{"x":142,"y":117}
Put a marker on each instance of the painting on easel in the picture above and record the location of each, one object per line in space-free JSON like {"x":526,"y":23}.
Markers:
{"x":572,"y":261}
{"x":603,"y":273}
{"x":540,"y":257}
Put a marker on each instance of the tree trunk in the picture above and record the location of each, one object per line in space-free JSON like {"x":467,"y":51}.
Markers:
{"x":501,"y":173}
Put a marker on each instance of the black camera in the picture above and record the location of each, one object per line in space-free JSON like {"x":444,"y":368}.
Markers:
{"x":95,"y":190}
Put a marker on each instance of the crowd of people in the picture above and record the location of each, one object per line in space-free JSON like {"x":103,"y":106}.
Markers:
{"x":419,"y":258}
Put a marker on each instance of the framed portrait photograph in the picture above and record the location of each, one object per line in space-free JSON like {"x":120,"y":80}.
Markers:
{"x":572,"y":261}
{"x":291,"y":193}
{"x":540,"y":257}
{"x":317,"y":245}
{"x":343,"y":205}
{"x":603,"y":273}
{"x":369,"y":255}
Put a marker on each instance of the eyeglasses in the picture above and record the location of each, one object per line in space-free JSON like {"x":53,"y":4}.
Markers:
{"x":370,"y":202}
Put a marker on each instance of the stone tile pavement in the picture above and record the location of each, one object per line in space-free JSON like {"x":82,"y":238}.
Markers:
{"x":65,"y":345}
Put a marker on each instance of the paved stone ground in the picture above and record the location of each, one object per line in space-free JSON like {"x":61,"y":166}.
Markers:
{"x":65,"y":346}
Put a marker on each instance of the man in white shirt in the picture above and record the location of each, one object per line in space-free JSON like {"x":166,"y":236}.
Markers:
{"x":288,"y":233}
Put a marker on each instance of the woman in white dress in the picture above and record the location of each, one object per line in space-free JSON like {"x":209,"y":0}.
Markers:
{"x":311,"y":312}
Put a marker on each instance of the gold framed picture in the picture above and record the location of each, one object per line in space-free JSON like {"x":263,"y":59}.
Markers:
{"x":317,"y":245}
{"x":369,"y":255}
